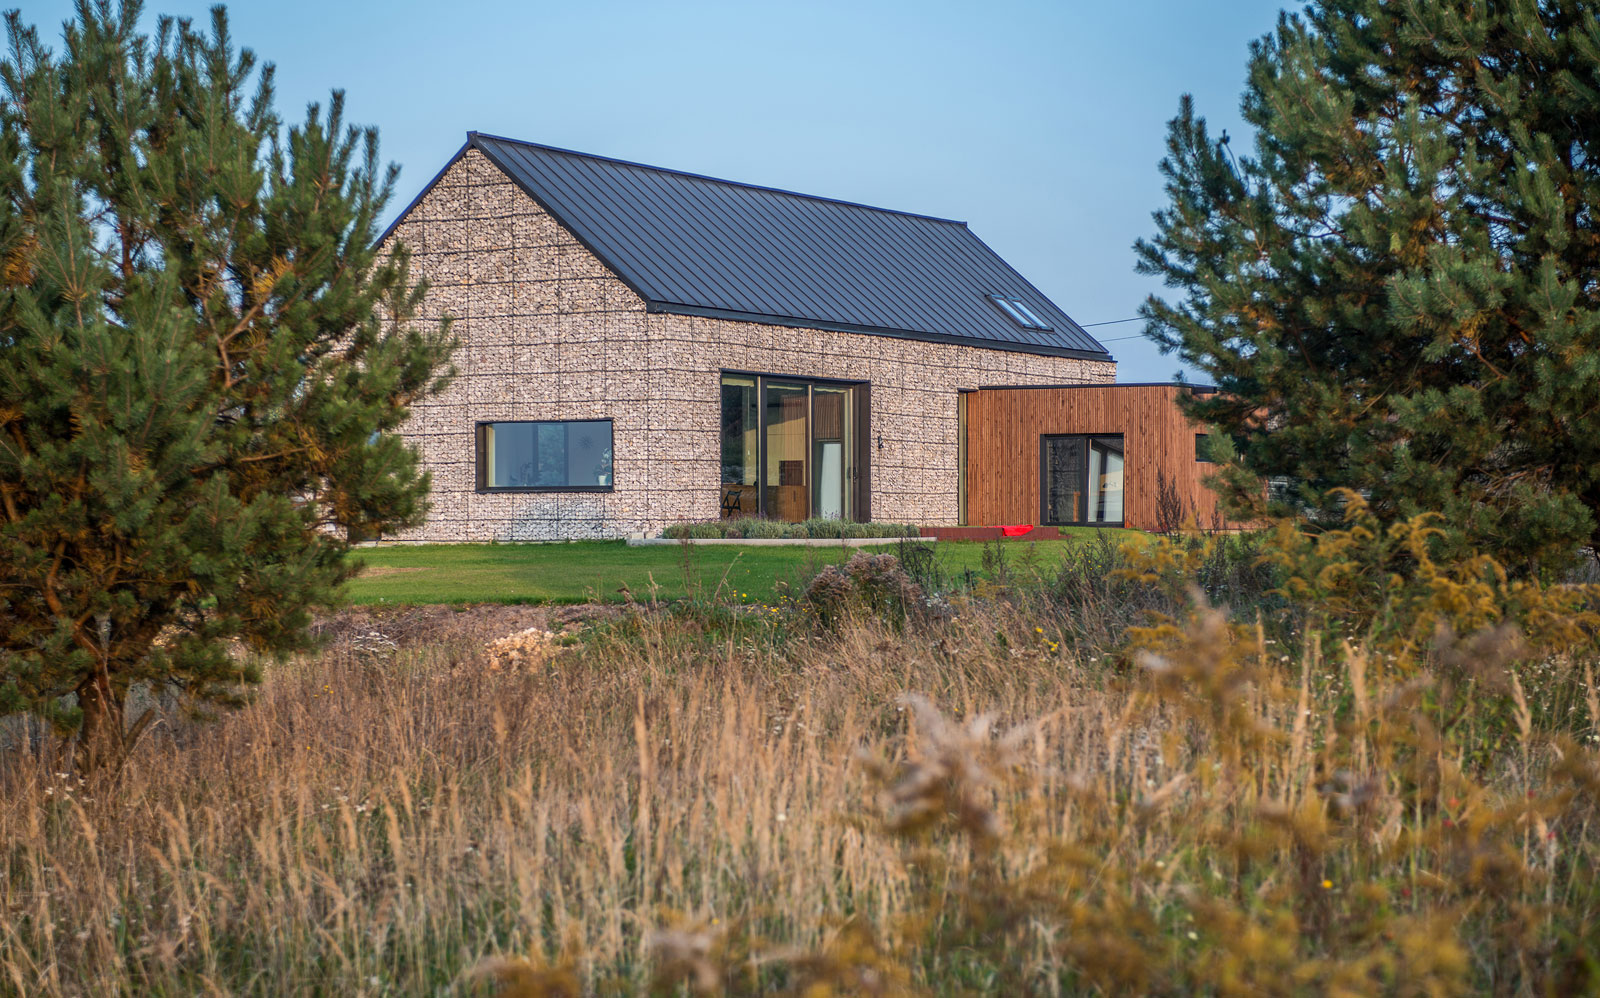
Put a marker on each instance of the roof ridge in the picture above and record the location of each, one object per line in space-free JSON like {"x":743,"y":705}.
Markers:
{"x":474,"y":136}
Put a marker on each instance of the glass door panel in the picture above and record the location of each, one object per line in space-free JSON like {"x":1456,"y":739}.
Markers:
{"x":1105,"y":480}
{"x":832,"y":452}
{"x":741,"y":446}
{"x":1063,"y":479}
{"x":788,"y":471}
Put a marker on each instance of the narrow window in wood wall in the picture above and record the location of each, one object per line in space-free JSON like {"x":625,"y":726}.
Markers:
{"x":961,"y":458}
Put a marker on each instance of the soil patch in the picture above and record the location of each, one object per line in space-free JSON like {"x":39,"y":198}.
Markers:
{"x":475,"y":622}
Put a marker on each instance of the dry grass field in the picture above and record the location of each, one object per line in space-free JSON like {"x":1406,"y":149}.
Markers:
{"x":726,"y":800}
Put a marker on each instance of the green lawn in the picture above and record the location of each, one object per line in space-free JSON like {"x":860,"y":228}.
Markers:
{"x":597,"y":570}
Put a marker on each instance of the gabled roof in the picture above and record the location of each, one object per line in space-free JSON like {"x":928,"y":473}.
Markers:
{"x":696,"y":245}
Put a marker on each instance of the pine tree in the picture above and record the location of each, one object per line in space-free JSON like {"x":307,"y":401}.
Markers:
{"x":1397,"y":292}
{"x":204,"y":357}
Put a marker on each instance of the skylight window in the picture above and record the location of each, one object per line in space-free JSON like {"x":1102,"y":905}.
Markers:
{"x":1017,"y":311}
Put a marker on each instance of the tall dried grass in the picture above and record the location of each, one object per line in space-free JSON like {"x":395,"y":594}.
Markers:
{"x":375,"y":823}
{"x":719,"y":802}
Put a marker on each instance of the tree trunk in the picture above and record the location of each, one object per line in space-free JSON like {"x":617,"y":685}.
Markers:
{"x":100,"y":738}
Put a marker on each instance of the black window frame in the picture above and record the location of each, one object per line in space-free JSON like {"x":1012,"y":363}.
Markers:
{"x":1202,"y":449}
{"x":1083,"y":480}
{"x":861,"y":485}
{"x":481,"y":467}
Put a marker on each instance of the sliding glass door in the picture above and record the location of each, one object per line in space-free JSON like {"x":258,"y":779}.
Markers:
{"x":791,"y":448}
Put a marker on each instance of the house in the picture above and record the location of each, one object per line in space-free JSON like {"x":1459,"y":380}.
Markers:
{"x":643,"y":346}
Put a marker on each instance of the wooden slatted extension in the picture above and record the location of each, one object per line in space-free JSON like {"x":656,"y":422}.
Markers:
{"x":1005,"y":425}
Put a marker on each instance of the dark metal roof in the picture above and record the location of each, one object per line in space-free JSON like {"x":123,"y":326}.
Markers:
{"x":700,"y":246}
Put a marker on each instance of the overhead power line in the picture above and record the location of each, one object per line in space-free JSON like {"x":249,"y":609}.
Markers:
{"x":1112,"y":322}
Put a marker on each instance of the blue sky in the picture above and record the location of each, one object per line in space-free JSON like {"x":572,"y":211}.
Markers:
{"x":1040,"y":124}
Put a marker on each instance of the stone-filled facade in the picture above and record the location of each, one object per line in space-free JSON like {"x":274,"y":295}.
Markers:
{"x":548,"y":332}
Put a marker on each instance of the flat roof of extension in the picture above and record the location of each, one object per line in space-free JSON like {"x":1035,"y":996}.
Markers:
{"x":1196,"y":389}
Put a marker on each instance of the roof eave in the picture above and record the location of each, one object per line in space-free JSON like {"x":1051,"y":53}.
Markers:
{"x":1193,"y":388}
{"x":676,"y":308}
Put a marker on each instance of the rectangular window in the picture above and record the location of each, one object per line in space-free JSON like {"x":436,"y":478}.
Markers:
{"x":1081,"y":480}
{"x":1202,"y":448}
{"x":1105,"y":480}
{"x":546,"y":456}
{"x":831,"y":462}
{"x":788,"y":419}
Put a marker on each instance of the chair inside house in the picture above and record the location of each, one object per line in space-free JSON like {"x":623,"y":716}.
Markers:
{"x":738,"y":500}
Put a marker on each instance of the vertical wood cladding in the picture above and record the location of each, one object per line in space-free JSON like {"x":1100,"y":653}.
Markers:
{"x":1004,"y":427}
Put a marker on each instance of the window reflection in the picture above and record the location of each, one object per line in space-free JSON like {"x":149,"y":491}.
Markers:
{"x":1082,"y":479}
{"x":1105,"y":480}
{"x":787,"y":495}
{"x":573,"y":454}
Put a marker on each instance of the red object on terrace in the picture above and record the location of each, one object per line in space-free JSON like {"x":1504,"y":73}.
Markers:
{"x":1015,"y":531}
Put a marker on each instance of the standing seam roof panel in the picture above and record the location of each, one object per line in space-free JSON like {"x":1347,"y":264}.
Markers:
{"x":607,"y":229}
{"x":892,"y":256}
{"x":793,"y":283}
{"x":574,"y":217}
{"x":1015,"y":287}
{"x":738,"y":292}
{"x":875,"y":304}
{"x":699,"y":232}
{"x":962,"y":297}
{"x":958,"y":260}
{"x":602,"y":228}
{"x":916,"y":282}
{"x":853,"y":301}
{"x":686,"y":271}
{"x":826,"y":269}
{"x":1048,"y":309}
{"x":958,"y":256}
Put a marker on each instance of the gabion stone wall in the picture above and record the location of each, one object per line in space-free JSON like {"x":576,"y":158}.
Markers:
{"x":547,"y":332}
